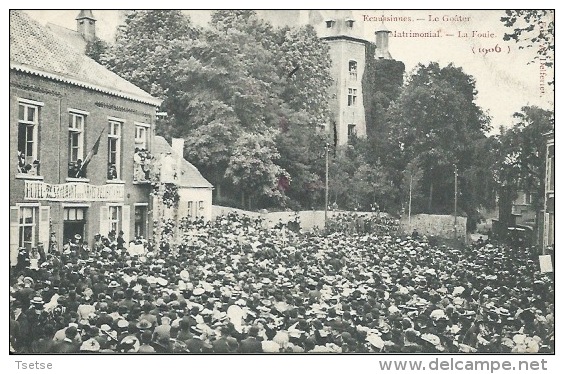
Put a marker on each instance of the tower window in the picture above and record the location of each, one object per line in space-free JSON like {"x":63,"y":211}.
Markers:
{"x":353,"y":69}
{"x":349,"y":22}
{"x":330,"y":23}
{"x":351,"y":130}
{"x":352,"y":97}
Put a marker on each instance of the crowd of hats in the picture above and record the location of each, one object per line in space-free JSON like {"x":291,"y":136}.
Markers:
{"x":233,"y":286}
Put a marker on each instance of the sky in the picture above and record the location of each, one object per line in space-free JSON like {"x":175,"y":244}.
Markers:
{"x":506,"y":79}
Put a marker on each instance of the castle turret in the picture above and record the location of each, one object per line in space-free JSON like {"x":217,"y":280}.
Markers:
{"x":382,"y":35}
{"x":86,"y":25}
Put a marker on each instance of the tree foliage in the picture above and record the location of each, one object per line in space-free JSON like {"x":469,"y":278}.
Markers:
{"x":532,"y":28}
{"x":521,"y":158}
{"x":231,"y":90}
{"x":252,"y":166}
{"x":436,"y":123}
{"x":96,"y":48}
{"x":147,"y":45}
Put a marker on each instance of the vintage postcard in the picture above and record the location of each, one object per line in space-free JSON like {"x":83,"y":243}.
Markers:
{"x":283,"y":182}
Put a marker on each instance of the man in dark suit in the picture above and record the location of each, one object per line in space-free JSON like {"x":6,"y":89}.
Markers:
{"x":226,"y":343}
{"x":252,"y":344}
{"x":197,"y":345}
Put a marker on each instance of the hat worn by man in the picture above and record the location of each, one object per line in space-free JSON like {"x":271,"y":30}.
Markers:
{"x":90,"y":345}
{"x":129,"y":344}
{"x":37,"y":300}
{"x":143,"y":325}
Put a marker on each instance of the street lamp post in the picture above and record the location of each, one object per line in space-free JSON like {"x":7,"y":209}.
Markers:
{"x":326,"y":181}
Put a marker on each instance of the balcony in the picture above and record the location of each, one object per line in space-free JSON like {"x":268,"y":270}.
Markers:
{"x":142,"y":162}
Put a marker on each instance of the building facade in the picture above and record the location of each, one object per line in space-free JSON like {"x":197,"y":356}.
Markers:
{"x":74,"y":130}
{"x":548,"y":232}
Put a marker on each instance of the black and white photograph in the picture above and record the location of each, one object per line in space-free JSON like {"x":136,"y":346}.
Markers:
{"x":283,"y":182}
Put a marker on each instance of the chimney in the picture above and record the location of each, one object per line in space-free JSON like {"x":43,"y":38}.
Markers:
{"x":178,"y":153}
{"x":178,"y":147}
{"x":382,"y":34}
{"x":86,"y":25}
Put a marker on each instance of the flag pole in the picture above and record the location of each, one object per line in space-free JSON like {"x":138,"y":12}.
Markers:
{"x":91,"y":153}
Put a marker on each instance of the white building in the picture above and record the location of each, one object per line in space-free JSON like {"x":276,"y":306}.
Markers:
{"x":195,"y":192}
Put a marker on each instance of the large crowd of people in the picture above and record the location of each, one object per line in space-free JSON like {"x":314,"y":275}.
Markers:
{"x":234,"y":286}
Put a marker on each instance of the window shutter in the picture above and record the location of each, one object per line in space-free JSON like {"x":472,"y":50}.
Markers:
{"x":44,"y":225}
{"x":14,"y":234}
{"x":104,"y":222}
{"x":125,"y":223}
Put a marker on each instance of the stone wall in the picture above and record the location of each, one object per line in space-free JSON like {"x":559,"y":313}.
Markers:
{"x":309,"y":219}
{"x":435,"y":225}
{"x":426,"y":224}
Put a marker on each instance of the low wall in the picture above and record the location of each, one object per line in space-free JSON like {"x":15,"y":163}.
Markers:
{"x":218,"y":210}
{"x":426,"y":224}
{"x":309,"y":219}
{"x":435,"y":225}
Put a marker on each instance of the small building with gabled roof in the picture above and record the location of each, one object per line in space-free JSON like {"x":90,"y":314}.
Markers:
{"x":195,"y":192}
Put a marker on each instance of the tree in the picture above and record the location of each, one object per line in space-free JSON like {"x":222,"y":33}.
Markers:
{"x":252,"y":168}
{"x":532,"y":28}
{"x":436,"y":122}
{"x":147,"y":46}
{"x":96,"y":48}
{"x":239,"y":79}
{"x":521,"y":158}
{"x":238,"y":74}
{"x":302,"y":155}
{"x":304,"y":64}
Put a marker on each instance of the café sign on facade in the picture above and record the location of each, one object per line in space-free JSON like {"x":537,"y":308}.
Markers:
{"x":35,"y":190}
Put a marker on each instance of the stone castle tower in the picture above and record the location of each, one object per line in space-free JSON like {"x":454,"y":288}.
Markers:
{"x":345,"y":36}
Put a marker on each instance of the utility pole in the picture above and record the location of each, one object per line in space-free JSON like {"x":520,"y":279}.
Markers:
{"x":326,"y":180}
{"x":455,"y":200}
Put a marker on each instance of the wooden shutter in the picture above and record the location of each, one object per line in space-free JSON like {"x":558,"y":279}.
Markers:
{"x":44,"y":226}
{"x":14,"y":234}
{"x":104,"y":220}
{"x":126,"y":216}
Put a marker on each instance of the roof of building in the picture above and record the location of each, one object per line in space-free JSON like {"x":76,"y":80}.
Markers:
{"x":189,"y":174}
{"x":382,"y":28}
{"x":85,"y":14}
{"x":71,"y":37}
{"x":36,"y":50}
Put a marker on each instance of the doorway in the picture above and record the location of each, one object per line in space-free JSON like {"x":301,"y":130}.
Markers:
{"x":74,"y":222}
